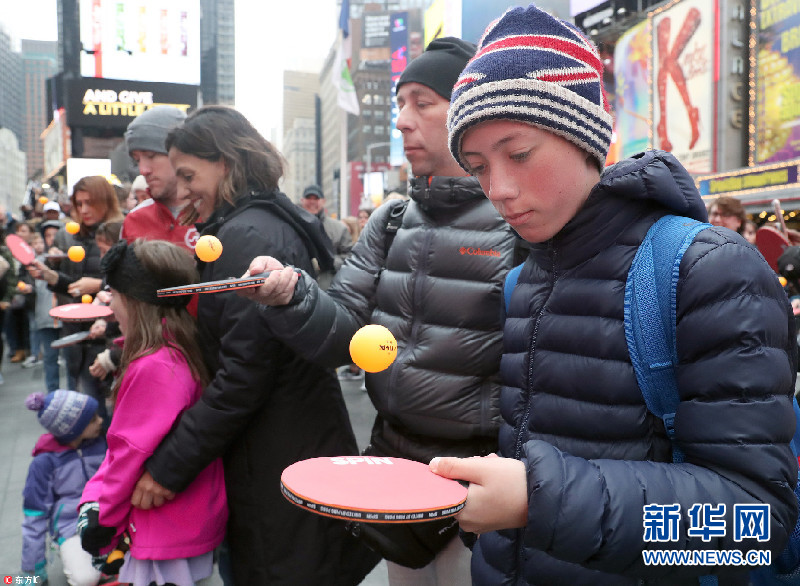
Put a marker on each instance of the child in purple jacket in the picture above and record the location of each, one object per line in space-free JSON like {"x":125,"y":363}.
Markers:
{"x":64,"y":459}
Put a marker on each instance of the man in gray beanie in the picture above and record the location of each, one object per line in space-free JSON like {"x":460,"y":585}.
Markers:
{"x":431,"y":270}
{"x":156,"y":218}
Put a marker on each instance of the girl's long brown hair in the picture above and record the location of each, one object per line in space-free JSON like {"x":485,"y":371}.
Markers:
{"x":152,"y":327}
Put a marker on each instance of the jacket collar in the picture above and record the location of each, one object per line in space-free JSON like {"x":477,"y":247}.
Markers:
{"x":652,"y":182}
{"x":434,"y":194}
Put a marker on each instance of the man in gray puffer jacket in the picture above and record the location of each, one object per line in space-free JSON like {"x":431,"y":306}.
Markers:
{"x":436,"y":287}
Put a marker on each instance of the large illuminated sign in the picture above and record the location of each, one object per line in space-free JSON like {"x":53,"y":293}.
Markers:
{"x":111,"y":103}
{"x":141,"y":40}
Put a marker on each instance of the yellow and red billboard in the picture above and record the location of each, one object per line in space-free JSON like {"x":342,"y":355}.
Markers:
{"x":685,"y":73}
{"x":775,"y":82}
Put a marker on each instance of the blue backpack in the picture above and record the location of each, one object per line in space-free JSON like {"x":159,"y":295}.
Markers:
{"x":650,"y":306}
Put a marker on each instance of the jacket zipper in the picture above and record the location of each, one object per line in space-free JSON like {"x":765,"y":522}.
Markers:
{"x":524,"y":422}
{"x":523,"y":425}
{"x":418,"y":276}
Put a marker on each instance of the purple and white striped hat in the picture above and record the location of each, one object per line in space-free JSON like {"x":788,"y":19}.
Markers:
{"x":532,"y":67}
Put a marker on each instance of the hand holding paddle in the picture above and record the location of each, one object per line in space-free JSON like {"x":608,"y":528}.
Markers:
{"x":498,"y":491}
{"x":278,"y":289}
{"x":84,"y":286}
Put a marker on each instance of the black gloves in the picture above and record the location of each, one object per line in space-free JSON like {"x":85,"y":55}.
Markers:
{"x":94,"y":536}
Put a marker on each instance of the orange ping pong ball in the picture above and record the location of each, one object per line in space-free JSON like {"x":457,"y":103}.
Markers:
{"x":76,"y":253}
{"x":783,"y":281}
{"x":208,"y":248}
{"x":20,"y":285}
{"x":73,"y":227}
{"x":43,"y":200}
{"x":86,"y":298}
{"x":373,"y":348}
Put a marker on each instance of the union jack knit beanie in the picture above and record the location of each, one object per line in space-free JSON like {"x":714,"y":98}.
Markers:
{"x":532,"y":67}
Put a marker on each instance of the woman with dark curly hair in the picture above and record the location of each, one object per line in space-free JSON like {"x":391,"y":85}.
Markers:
{"x":265,"y":407}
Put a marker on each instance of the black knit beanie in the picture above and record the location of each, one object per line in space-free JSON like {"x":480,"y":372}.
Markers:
{"x":440,"y":65}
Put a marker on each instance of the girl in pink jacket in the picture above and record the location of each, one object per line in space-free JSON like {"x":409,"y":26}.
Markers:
{"x":161,"y":374}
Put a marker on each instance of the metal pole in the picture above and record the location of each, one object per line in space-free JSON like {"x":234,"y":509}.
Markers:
{"x":344,"y":194}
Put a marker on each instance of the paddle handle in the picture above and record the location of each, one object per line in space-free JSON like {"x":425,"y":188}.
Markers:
{"x":776,"y":206}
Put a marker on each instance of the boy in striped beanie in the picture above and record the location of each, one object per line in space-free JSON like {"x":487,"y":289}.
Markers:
{"x":537,"y":69}
{"x":581,"y":456}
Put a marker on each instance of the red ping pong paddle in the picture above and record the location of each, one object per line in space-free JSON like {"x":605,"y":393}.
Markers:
{"x":215,"y":286}
{"x":771,"y":243}
{"x":80,"y":312}
{"x":372,"y":489}
{"x":70,"y":340}
{"x":20,"y":249}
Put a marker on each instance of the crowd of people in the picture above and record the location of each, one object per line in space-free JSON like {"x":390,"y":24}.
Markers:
{"x":165,"y":445}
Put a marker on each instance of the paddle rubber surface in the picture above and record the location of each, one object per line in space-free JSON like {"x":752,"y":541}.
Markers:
{"x":372,"y":489}
{"x":70,"y":340}
{"x":20,"y":249}
{"x":80,"y":312}
{"x":771,"y":244}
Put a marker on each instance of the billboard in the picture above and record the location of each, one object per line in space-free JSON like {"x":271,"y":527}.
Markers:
{"x":400,"y":58}
{"x":376,"y":32}
{"x":78,"y":168}
{"x":578,"y":6}
{"x":632,"y":93}
{"x":111,"y":103}
{"x":775,"y":82}
{"x":685,"y":72}
{"x":141,"y":40}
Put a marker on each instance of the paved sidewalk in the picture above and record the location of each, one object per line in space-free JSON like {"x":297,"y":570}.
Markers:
{"x":19,"y":431}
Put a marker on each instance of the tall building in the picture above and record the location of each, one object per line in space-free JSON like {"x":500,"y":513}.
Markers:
{"x":330,"y":140}
{"x":10,"y":86}
{"x":218,"y":51}
{"x":300,"y":91}
{"x":12,"y":171}
{"x":38,"y":64}
{"x":299,"y":148}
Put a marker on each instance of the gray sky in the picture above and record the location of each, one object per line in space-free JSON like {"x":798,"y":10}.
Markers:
{"x":271,"y":36}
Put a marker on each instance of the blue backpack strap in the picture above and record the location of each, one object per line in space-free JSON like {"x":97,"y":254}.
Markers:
{"x":650,"y":314}
{"x":650,"y":320}
{"x":511,"y":281}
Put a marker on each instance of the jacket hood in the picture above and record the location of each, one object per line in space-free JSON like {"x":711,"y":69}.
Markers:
{"x":652,"y":181}
{"x":434,"y":194}
{"x":48,"y":443}
{"x":656,"y":176}
{"x":307,"y":226}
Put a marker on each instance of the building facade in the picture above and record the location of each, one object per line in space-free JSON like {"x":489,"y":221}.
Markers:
{"x":10,"y":85}
{"x":12,"y":171}
{"x":299,"y":148}
{"x":218,"y":52}
{"x":38,"y":64}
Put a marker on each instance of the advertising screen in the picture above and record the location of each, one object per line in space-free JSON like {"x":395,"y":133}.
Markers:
{"x":141,"y":40}
{"x":400,"y":58}
{"x":632,"y":95}
{"x":112,"y":103}
{"x":578,"y":6}
{"x":777,"y":81}
{"x":684,"y":81}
